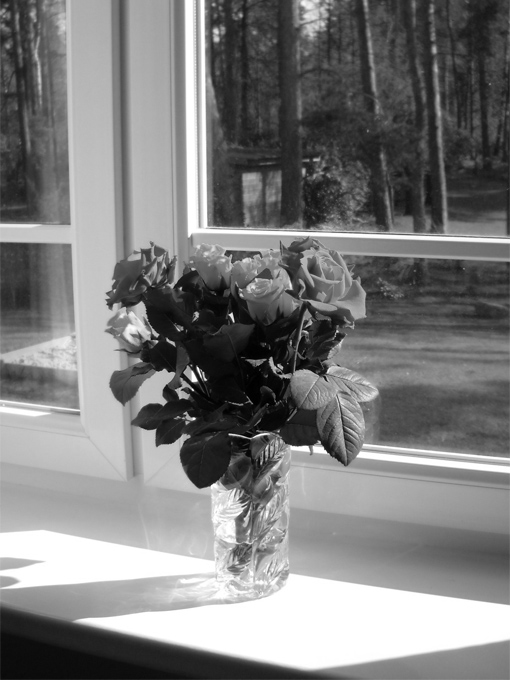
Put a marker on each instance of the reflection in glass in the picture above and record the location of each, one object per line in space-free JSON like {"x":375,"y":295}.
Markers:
{"x":38,"y":353}
{"x":34,"y":151}
{"x":351,"y":116}
{"x":436,"y":344}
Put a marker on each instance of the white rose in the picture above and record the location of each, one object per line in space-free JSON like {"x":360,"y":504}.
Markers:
{"x":213,"y":266}
{"x":129,"y":330}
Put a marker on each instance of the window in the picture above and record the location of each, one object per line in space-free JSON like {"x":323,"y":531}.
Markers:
{"x":388,"y":479}
{"x":60,"y":216}
{"x":136,"y":161}
{"x":429,"y":237}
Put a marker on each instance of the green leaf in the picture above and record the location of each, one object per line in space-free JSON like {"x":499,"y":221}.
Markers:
{"x":301,"y":430}
{"x":161,"y":323}
{"x":169,"y":431}
{"x":275,"y":417}
{"x":341,"y":427}
{"x":359,"y":386}
{"x":177,"y":306}
{"x":229,"y":341}
{"x":181,"y":363}
{"x":126,"y":383}
{"x":152,"y":415}
{"x":205,"y":458}
{"x":311,"y":391}
{"x":282,"y":327}
{"x":299,"y":435}
{"x":227,"y":389}
{"x":146,"y":418}
{"x":169,"y":393}
{"x":163,"y":356}
{"x":208,"y":424}
{"x":326,"y":340}
{"x":208,"y":362}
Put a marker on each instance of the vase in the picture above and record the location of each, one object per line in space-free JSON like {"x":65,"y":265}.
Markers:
{"x":250,"y":513}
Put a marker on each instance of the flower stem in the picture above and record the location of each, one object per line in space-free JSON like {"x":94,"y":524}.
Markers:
{"x":200,"y":379}
{"x":202,"y":392}
{"x":299,"y":333}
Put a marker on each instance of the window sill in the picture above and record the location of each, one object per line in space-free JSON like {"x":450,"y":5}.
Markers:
{"x":122,"y":563}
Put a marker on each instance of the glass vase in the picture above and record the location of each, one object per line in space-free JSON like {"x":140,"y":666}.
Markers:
{"x":250,"y":513}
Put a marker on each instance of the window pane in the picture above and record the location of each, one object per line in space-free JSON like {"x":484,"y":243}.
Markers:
{"x":37,"y":332}
{"x":436,"y":344}
{"x":34,"y":144}
{"x":332,"y":126}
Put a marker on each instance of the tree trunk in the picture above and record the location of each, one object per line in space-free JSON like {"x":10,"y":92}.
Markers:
{"x":453,"y":54}
{"x":379,"y":171}
{"x":483,"y":88}
{"x":505,"y":92}
{"x":230,"y":100}
{"x":23,"y":107}
{"x":290,"y":113}
{"x":245,"y":75}
{"x":418,"y":167}
{"x":439,"y":206}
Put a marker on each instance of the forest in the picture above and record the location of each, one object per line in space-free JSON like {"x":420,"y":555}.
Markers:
{"x":364,"y":110}
{"x":33,"y":114}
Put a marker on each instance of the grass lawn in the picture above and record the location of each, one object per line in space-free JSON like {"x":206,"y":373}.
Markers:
{"x":442,"y":367}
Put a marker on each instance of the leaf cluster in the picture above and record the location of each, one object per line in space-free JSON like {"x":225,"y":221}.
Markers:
{"x":233,"y":380}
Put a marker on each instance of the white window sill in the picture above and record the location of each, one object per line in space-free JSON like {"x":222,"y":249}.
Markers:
{"x":110,"y":561}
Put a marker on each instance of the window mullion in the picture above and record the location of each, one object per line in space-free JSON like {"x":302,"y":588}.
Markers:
{"x":376,"y":244}
{"x":35,"y":233}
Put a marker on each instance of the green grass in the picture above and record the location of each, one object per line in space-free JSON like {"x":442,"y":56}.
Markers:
{"x":441,"y":369}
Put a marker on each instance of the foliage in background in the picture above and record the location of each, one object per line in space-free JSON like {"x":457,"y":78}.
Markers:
{"x":473,"y":59}
{"x":33,"y":115}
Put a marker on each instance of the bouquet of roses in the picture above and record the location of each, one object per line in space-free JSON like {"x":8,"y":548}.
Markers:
{"x":252,"y":351}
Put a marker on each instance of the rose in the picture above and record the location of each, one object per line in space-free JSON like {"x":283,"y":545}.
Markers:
{"x":244,"y":271}
{"x":267,"y":299}
{"x":213,"y":266}
{"x":325,"y":280}
{"x":149,"y":268}
{"x":247,"y":269}
{"x":129,"y":330}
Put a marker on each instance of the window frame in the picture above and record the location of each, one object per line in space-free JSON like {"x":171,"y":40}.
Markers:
{"x":468,"y":492}
{"x":144,"y":170}
{"x":97,"y":441}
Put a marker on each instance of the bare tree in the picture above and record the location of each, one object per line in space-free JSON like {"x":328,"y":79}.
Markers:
{"x":290,"y":112}
{"x":418,"y":86}
{"x":502,"y":129}
{"x":439,"y":205}
{"x":230,"y":101}
{"x":379,"y":170}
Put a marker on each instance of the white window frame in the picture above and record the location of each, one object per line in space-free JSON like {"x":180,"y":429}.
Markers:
{"x":456,"y":490}
{"x":152,"y":191}
{"x":96,"y":442}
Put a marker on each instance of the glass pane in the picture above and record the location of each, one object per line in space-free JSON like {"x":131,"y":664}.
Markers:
{"x":33,"y":119}
{"x":38,"y":363}
{"x":334,"y":125}
{"x":436,"y":344}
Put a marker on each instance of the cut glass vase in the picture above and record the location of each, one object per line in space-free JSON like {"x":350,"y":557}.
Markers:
{"x":250,"y":513}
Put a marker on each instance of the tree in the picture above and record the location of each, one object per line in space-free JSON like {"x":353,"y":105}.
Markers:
{"x":34,"y":71}
{"x":501,"y":141}
{"x":439,"y":206}
{"x":379,"y":170}
{"x":290,"y":112}
{"x":230,"y":106}
{"x":418,"y":87}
